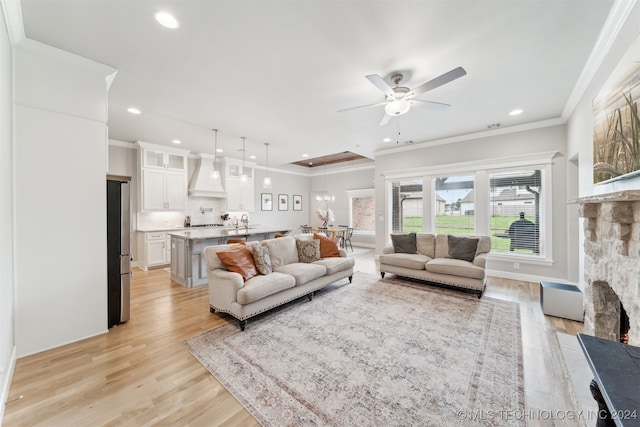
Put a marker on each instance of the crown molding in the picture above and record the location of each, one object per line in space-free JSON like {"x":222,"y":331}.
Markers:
{"x":13,"y":20}
{"x":615,"y":21}
{"x":472,"y":136}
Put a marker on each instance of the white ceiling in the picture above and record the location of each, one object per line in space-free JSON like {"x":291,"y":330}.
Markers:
{"x":278,"y":71}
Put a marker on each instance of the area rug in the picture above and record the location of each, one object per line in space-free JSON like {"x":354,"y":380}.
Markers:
{"x":374,"y":352}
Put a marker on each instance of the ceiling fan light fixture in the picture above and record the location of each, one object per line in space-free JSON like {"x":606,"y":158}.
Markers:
{"x":397,"y":108}
{"x":167,"y":20}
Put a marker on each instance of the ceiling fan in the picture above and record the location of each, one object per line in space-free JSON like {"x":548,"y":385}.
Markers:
{"x":399,"y":99}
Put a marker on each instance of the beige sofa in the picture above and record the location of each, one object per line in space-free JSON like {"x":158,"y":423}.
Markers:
{"x":432,"y":263}
{"x":290,"y":279}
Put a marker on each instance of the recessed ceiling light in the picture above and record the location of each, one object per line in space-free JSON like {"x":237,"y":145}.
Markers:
{"x":176,"y":141}
{"x":219,"y":150}
{"x":252,"y":157}
{"x":386,"y":140}
{"x":133,"y":110}
{"x":167,"y":20}
{"x":515,"y":112}
{"x":305,"y":155}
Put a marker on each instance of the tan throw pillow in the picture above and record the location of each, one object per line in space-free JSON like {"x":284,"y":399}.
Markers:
{"x":308,"y":250}
{"x":239,"y":260}
{"x":261,"y":259}
{"x":463,"y":248}
{"x":328,"y":246}
{"x":404,"y":243}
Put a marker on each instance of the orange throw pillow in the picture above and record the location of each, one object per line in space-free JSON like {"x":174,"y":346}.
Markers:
{"x":239,"y":260}
{"x":328,"y":246}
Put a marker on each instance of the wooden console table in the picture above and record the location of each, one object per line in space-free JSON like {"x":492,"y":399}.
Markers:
{"x":616,"y":383}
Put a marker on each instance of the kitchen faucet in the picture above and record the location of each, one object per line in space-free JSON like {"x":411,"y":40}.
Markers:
{"x":245,"y":220}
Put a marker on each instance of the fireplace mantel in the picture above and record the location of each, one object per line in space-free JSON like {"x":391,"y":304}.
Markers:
{"x":620,"y":196}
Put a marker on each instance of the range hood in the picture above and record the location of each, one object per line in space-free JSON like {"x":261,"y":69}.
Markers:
{"x":201,"y":184}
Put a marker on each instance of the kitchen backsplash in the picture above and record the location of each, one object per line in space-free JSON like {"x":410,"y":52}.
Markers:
{"x":212,"y":208}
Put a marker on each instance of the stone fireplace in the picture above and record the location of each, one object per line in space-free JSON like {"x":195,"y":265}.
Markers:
{"x":612,"y":264}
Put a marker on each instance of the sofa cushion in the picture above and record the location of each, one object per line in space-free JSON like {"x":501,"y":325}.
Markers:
{"x":404,"y":243}
{"x":426,"y":244}
{"x":455,"y":267}
{"x":414,"y":261}
{"x":328,"y":246}
{"x":261,"y":259}
{"x":262,"y":286}
{"x":303,"y":273}
{"x":333,"y":265}
{"x":308,"y":250}
{"x":463,"y":248}
{"x":282,"y":251}
{"x":239,"y":260}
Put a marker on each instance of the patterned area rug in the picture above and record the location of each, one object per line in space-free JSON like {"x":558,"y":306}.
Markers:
{"x":374,"y":352}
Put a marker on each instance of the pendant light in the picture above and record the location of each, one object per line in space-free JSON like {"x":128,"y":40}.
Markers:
{"x":266,"y":182}
{"x":324,"y":196}
{"x":243,"y":176}
{"x":215,"y":175}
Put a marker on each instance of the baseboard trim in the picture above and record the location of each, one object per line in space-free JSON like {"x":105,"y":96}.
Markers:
{"x":6,"y":387}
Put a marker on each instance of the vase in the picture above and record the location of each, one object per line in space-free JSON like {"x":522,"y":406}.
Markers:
{"x":325,"y":224}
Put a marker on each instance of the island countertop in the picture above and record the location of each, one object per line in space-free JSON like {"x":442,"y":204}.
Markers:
{"x":215,"y":233}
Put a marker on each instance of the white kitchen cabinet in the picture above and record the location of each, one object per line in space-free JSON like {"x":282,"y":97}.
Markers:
{"x":155,"y":249}
{"x":240,"y":195}
{"x":163,"y":183}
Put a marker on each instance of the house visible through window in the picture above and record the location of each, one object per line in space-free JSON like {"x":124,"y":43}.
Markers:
{"x":454,"y":204}
{"x":517,"y":211}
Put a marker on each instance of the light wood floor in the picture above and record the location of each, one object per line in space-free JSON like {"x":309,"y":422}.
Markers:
{"x":140,"y":374}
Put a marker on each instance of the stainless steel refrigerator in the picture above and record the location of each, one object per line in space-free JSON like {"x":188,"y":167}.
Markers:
{"x":118,"y":251}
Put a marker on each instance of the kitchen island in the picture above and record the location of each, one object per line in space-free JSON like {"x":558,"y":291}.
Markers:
{"x":187,"y":262}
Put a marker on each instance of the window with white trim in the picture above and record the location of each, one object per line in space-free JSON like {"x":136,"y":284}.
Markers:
{"x":362,"y":211}
{"x":406,"y":206}
{"x":479,"y":197}
{"x":517,"y":214}
{"x":454,"y":204}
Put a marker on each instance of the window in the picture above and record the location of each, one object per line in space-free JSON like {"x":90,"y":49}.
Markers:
{"x":362,"y":211}
{"x":406,"y":206}
{"x":479,"y":197}
{"x":517,"y":211}
{"x":454,"y":204}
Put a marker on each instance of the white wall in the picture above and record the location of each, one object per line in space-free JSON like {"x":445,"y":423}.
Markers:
{"x":580,"y":130}
{"x":533,"y":141}
{"x":7,"y":355}
{"x":281,"y":183}
{"x":60,"y":197}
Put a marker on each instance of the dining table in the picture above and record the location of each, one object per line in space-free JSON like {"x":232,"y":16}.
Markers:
{"x":329,"y":231}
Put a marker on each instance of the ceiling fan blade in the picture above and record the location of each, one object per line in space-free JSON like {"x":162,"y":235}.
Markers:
{"x":380,"y":84}
{"x":430,"y":105}
{"x":361,"y":106}
{"x":445,"y":78}
{"x":385,"y":120}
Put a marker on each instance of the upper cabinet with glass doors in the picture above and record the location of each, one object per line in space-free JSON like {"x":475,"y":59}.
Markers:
{"x":163,"y":177}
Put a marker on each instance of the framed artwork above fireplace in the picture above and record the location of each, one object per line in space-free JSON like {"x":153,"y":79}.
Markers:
{"x":616,"y":122}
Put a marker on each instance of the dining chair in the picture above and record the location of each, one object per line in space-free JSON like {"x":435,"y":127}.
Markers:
{"x":347,"y":238}
{"x":342,"y":235}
